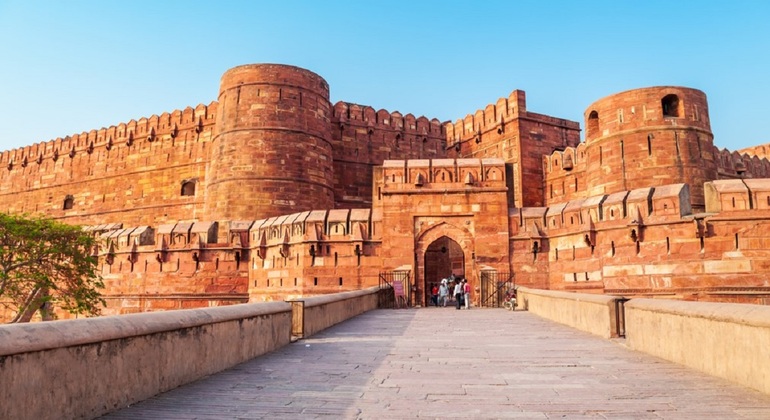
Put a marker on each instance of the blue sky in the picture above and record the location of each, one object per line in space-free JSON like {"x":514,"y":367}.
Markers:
{"x":72,"y":66}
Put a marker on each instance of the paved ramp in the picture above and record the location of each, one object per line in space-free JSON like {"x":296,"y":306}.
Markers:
{"x":445,"y":363}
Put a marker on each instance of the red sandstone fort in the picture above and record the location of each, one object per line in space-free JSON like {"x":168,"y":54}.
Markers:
{"x":271,"y":193}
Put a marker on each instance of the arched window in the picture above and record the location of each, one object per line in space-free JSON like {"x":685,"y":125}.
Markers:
{"x":69,"y":201}
{"x":592,"y":124}
{"x":188,"y":188}
{"x":670,"y":104}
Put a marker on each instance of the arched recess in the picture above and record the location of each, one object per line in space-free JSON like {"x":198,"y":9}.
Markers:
{"x":671,"y":106}
{"x":432,"y":261}
{"x":592,"y":125}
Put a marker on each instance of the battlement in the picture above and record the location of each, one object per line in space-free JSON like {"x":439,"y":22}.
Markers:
{"x":431,"y":174}
{"x":189,"y":122}
{"x":345,"y":113}
{"x":625,"y":208}
{"x":737,"y":195}
{"x":741,"y":164}
{"x":494,"y":117}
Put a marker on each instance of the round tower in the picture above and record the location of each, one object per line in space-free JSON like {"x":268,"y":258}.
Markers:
{"x":271,"y":153}
{"x":650,"y":137}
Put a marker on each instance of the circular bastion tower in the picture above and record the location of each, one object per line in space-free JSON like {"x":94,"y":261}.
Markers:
{"x":650,"y":137}
{"x":271,"y":153}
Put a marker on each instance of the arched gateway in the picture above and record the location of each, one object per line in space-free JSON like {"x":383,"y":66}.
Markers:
{"x":442,"y":250}
{"x":441,"y":217}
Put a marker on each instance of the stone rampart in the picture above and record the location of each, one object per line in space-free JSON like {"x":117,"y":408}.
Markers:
{"x":363,"y":138}
{"x":140,"y":172}
{"x":508,"y":131}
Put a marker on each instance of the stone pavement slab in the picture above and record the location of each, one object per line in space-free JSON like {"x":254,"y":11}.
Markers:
{"x":443,"y":363}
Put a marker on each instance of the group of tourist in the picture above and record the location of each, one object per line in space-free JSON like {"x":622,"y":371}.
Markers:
{"x":460,"y":291}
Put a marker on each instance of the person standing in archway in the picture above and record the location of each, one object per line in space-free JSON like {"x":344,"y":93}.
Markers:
{"x":467,"y":293}
{"x":434,"y":295}
{"x":443,"y":292}
{"x":458,"y":292}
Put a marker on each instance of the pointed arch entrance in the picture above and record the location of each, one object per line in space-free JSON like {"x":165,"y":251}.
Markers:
{"x":443,"y":257}
{"x":441,"y":250}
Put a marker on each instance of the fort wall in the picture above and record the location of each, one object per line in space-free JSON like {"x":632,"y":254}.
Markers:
{"x":134,"y":172}
{"x":507,"y":130}
{"x":313,"y":253}
{"x":363,"y":138}
{"x":648,"y":242}
{"x":645,"y":242}
{"x":272,"y":193}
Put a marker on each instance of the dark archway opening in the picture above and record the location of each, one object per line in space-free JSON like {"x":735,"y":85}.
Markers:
{"x":671,"y":106}
{"x":443,"y":258}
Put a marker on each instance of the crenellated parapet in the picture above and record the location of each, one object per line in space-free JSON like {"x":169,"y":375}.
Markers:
{"x":364,"y":138}
{"x":443,"y":174}
{"x":491,"y":119}
{"x":728,"y":196}
{"x":310,"y":233}
{"x":345,"y":114}
{"x":741,"y":164}
{"x":507,"y":130}
{"x":565,"y":174}
{"x":507,"y":119}
{"x":313,"y":252}
{"x":584,"y":215}
{"x":186,"y":124}
{"x":171,"y":266}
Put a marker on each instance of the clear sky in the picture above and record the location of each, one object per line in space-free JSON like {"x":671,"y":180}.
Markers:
{"x":72,"y":66}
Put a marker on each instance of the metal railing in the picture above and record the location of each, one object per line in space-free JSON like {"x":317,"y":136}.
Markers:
{"x":494,"y":287}
{"x":395,"y":289}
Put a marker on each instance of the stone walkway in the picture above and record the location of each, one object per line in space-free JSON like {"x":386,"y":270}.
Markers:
{"x":444,"y":363}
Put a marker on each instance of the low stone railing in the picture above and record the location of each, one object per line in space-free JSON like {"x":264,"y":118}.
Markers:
{"x":321,"y":312}
{"x":596,"y":314}
{"x":727,"y":340}
{"x":88,"y":367}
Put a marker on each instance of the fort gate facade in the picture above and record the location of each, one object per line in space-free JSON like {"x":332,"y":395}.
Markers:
{"x":272,"y":192}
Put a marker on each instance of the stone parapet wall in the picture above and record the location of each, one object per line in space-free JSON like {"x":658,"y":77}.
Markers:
{"x":729,"y":341}
{"x":648,"y":242}
{"x":725,"y":340}
{"x":590,"y":313}
{"x":322,"y":312}
{"x":88,"y":367}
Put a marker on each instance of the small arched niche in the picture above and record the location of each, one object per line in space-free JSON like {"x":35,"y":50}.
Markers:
{"x":592,"y":125}
{"x":69,"y":202}
{"x":671,"y":106}
{"x":188,"y":187}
